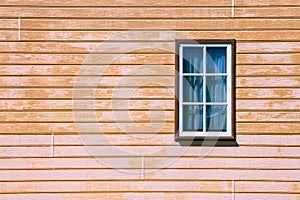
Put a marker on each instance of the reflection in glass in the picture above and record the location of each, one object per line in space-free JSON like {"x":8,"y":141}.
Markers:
{"x":193,"y":89}
{"x":216,"y":59}
{"x":217,"y":88}
{"x":217,"y":117}
{"x":192,"y":60}
{"x":192,"y":118}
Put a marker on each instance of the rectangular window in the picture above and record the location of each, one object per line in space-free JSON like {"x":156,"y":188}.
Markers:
{"x":205,"y":89}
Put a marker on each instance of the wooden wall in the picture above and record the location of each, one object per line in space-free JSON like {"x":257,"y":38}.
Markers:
{"x":43,"y":44}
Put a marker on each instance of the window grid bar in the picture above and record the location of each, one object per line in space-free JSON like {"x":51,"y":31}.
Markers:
{"x":202,"y":74}
{"x":200,"y":103}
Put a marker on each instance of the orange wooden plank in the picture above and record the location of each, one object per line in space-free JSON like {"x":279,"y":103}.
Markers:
{"x":125,"y":196}
{"x":22,"y":105}
{"x":92,"y":82}
{"x":117,"y":12}
{"x":133,"y":139}
{"x":104,"y":93}
{"x":87,"y":127}
{"x":162,"y":151}
{"x":118,"y":3}
{"x":292,"y":81}
{"x":158,"y":35}
{"x":102,"y":116}
{"x":207,"y":24}
{"x":288,"y":175}
{"x":151,"y":162}
{"x":128,"y":186}
{"x":267,"y":70}
{"x":273,"y":93}
{"x":98,"y":70}
{"x":94,"y":59}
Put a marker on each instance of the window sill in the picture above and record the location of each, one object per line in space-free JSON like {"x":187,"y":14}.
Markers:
{"x":202,"y":141}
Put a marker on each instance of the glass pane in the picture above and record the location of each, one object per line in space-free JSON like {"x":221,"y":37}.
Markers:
{"x":216,"y":88}
{"x":216,"y":118}
{"x":192,"y":118}
{"x":192,"y":60}
{"x":216,"y":60}
{"x":192,"y":89}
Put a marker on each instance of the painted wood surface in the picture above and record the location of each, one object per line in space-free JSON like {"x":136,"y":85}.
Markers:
{"x":43,"y":45}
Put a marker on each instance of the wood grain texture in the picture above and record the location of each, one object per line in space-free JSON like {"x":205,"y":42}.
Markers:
{"x":150,"y":150}
{"x":70,"y":139}
{"x":240,"y":24}
{"x":153,"y":12}
{"x":43,"y":47}
{"x":159,"y":35}
{"x":118,"y":3}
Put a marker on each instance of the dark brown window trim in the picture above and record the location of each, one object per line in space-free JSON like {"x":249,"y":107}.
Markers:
{"x":200,"y":140}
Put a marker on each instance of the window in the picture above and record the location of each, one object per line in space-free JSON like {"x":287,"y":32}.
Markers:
{"x":205,"y":90}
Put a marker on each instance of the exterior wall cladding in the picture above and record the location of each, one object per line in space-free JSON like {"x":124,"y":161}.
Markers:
{"x":88,"y":100}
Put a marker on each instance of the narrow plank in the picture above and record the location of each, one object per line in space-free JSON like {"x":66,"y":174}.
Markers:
{"x":151,"y":162}
{"x":270,"y":128}
{"x":138,"y":151}
{"x":267,"y":3}
{"x":222,"y":163}
{"x":265,"y":12}
{"x":8,"y":35}
{"x":73,"y":70}
{"x":136,"y":47}
{"x":8,"y":24}
{"x":117,"y":196}
{"x":264,"y":196}
{"x":267,"y":70}
{"x":95,"y":47}
{"x":274,"y":105}
{"x":94,"y":59}
{"x":15,"y":140}
{"x":268,"y":116}
{"x":168,"y":139}
{"x":282,"y":187}
{"x":117,"y":12}
{"x":87,"y":127}
{"x":162,"y":174}
{"x":135,"y":140}
{"x":135,"y":81}
{"x":107,"y":59}
{"x":291,"y":81}
{"x":249,"y":128}
{"x":154,"y":12}
{"x":268,"y":47}
{"x":153,"y":93}
{"x":207,"y":24}
{"x":118,"y":3}
{"x":287,"y":175}
{"x":54,"y":105}
{"x":279,"y":35}
{"x":269,"y":140}
{"x":103,"y":93}
{"x":102,"y":116}
{"x":128,"y":186}
{"x":273,"y":93}
{"x":244,"y":59}
{"x":103,"y":174}
{"x":92,"y":82}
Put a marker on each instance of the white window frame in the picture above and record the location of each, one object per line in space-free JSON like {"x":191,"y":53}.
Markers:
{"x":229,"y":134}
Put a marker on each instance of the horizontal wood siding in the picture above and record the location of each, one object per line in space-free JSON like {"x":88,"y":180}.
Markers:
{"x":46,"y":98}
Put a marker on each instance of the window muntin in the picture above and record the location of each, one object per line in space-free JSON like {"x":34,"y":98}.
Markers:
{"x":205,"y":112}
